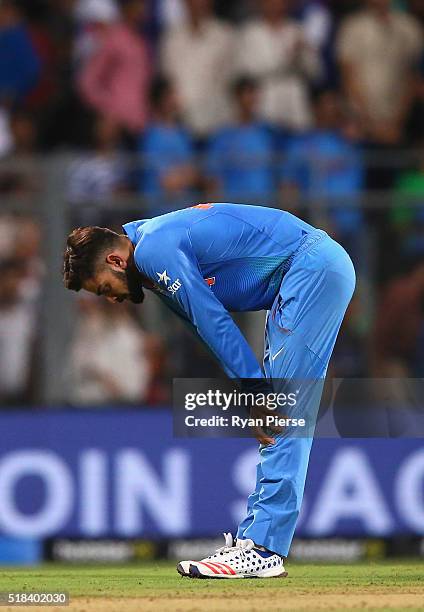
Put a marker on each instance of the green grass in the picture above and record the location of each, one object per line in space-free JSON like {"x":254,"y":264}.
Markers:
{"x":160,"y":580}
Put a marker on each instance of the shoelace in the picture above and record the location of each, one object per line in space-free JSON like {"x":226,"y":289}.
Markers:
{"x":242,"y":546}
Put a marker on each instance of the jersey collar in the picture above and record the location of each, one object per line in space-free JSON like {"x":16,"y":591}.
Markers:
{"x":132,"y":230}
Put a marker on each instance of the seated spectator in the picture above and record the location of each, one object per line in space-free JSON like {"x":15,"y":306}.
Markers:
{"x":378,"y":50}
{"x":110,"y":360}
{"x":273,"y":49}
{"x":99,"y":174}
{"x":196,"y":55}
{"x":325,"y":168}
{"x":115,"y":79}
{"x":240,"y":164}
{"x":19,"y":63}
{"x":168,"y":174}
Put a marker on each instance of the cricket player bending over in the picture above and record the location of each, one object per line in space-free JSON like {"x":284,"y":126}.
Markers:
{"x":208,"y":260}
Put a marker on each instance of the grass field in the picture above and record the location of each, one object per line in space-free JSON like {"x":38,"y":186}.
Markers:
{"x":157,"y":587}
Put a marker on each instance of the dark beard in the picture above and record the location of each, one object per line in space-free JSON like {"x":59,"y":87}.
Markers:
{"x":133,"y":283}
{"x":135,"y":288}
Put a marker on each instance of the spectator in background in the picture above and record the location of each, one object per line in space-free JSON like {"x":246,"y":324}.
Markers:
{"x":25,"y":133}
{"x":171,"y":12}
{"x":349,"y":359}
{"x":18,"y":313}
{"x":27,"y":250}
{"x":110,"y":359}
{"x":101,"y":173}
{"x":87,"y":12}
{"x":93,"y":18}
{"x":197,"y":56}
{"x":325,"y":169}
{"x":398,"y":340}
{"x":407,"y":214}
{"x":21,"y":175}
{"x":59,"y":18}
{"x":273,"y":49}
{"x":64,"y":119}
{"x":115,"y":79}
{"x":20,"y":240}
{"x":19,"y":63}
{"x":378,"y":50}
{"x":46,"y":48}
{"x":168,"y":176}
{"x":240,"y":157}
{"x":415,"y":125}
{"x":317,"y":22}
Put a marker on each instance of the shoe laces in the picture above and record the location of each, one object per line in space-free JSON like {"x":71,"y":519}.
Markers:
{"x":241,"y":546}
{"x":229,"y":543}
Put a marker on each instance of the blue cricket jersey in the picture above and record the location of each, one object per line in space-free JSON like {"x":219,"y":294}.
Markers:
{"x":210,"y":259}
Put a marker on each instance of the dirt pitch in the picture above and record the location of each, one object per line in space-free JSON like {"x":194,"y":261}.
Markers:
{"x":158,"y":588}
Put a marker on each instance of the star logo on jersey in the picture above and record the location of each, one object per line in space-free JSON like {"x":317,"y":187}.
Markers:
{"x":163,"y":277}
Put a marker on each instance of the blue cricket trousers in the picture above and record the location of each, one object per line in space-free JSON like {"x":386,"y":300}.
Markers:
{"x":300,"y":333}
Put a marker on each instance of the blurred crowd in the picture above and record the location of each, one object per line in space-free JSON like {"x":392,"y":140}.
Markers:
{"x":314,"y":106}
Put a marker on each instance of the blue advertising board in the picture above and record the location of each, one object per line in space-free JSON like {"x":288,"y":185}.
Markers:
{"x":122,"y":473}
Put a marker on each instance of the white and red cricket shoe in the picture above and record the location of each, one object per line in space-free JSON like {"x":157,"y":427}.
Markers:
{"x":240,"y":559}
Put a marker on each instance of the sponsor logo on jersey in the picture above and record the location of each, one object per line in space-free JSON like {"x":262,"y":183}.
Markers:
{"x":164,"y":278}
{"x":174,"y":287}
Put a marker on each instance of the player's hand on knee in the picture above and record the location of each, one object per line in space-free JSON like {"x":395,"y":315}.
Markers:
{"x":263,"y":431}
